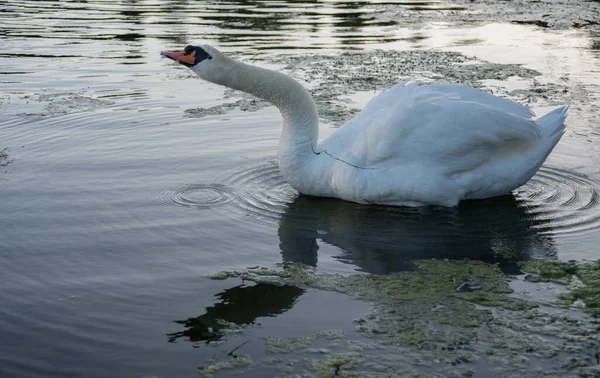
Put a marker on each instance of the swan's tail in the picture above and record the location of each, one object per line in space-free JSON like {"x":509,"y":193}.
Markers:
{"x":553,"y":123}
{"x":553,"y":128}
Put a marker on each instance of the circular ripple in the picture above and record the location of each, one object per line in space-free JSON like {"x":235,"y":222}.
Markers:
{"x":561,"y":202}
{"x":262,"y":191}
{"x":554,"y":202}
{"x":259,"y":191}
{"x":199,"y":196}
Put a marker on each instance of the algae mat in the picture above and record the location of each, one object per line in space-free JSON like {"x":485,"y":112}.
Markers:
{"x":444,"y":318}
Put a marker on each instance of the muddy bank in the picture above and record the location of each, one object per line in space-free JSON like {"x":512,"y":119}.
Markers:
{"x":448,"y":318}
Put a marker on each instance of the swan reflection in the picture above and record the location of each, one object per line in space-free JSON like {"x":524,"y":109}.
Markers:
{"x":377,"y":240}
{"x":240,"y":305}
{"x":385,"y":239}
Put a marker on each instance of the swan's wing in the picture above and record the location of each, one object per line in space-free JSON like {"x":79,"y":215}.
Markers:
{"x":405,"y":90}
{"x":390,"y":100}
{"x":386,"y":99}
{"x":340,"y":141}
{"x":433,"y":127}
{"x":466,"y":93}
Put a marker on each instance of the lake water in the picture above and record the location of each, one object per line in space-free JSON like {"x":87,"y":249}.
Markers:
{"x":127,"y":180}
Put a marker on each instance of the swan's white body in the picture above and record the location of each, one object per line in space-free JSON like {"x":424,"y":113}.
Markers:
{"x":411,"y":145}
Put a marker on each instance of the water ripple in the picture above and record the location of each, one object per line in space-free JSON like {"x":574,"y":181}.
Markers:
{"x":263,"y":191}
{"x":199,"y":196}
{"x":258,"y":190}
{"x":556,"y":201}
{"x":561,"y":201}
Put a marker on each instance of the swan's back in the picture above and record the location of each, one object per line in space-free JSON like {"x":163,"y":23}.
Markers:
{"x":407,"y":92}
{"x":442,"y":140}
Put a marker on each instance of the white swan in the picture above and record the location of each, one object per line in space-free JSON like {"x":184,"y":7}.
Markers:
{"x":411,"y":145}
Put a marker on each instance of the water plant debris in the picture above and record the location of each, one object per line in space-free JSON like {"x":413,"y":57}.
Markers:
{"x":421,"y":323}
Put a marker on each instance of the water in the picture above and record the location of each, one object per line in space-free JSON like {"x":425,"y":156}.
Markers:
{"x":115,"y":202}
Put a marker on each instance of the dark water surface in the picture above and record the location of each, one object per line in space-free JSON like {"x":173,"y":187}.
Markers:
{"x":114,"y":203}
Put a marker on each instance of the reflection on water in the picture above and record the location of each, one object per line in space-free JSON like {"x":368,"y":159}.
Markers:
{"x":555,"y":204}
{"x":261,"y":24}
{"x":240,"y":305}
{"x":382,"y":240}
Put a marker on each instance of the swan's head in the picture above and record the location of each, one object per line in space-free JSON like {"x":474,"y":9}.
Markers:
{"x":206,"y":61}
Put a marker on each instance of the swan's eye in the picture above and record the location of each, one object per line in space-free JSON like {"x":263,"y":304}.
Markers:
{"x":187,"y":50}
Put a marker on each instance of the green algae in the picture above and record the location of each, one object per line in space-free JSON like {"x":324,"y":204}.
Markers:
{"x":556,"y":271}
{"x":5,"y":160}
{"x":269,"y":361}
{"x":422,"y":307}
{"x":433,"y":279}
{"x":589,"y":292}
{"x":342,"y":365}
{"x":224,"y":274}
{"x":583,"y":279}
{"x":292,"y":344}
{"x":286,"y":345}
{"x":420,"y":320}
{"x":238,"y":362}
{"x":246,"y":104}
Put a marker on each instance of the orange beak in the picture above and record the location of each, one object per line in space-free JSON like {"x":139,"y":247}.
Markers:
{"x":181,"y":57}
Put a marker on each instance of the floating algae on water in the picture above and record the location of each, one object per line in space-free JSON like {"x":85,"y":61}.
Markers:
{"x":583,"y":279}
{"x":245,"y":103}
{"x":49,"y":103}
{"x":290,"y":344}
{"x":554,"y":14}
{"x":5,"y":160}
{"x":421,"y":324}
{"x":240,"y":361}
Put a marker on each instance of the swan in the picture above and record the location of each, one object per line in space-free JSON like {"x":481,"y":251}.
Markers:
{"x":412,"y":145}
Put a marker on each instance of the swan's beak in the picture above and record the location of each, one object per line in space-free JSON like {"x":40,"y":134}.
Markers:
{"x":180,"y":56}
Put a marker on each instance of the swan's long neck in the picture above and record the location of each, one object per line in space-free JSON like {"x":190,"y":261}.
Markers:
{"x":298,"y":140}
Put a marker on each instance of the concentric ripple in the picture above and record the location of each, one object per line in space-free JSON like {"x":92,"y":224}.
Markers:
{"x":555,"y":201}
{"x":199,"y":196}
{"x":561,"y":202}
{"x":263,"y":192}
{"x":258,"y":190}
